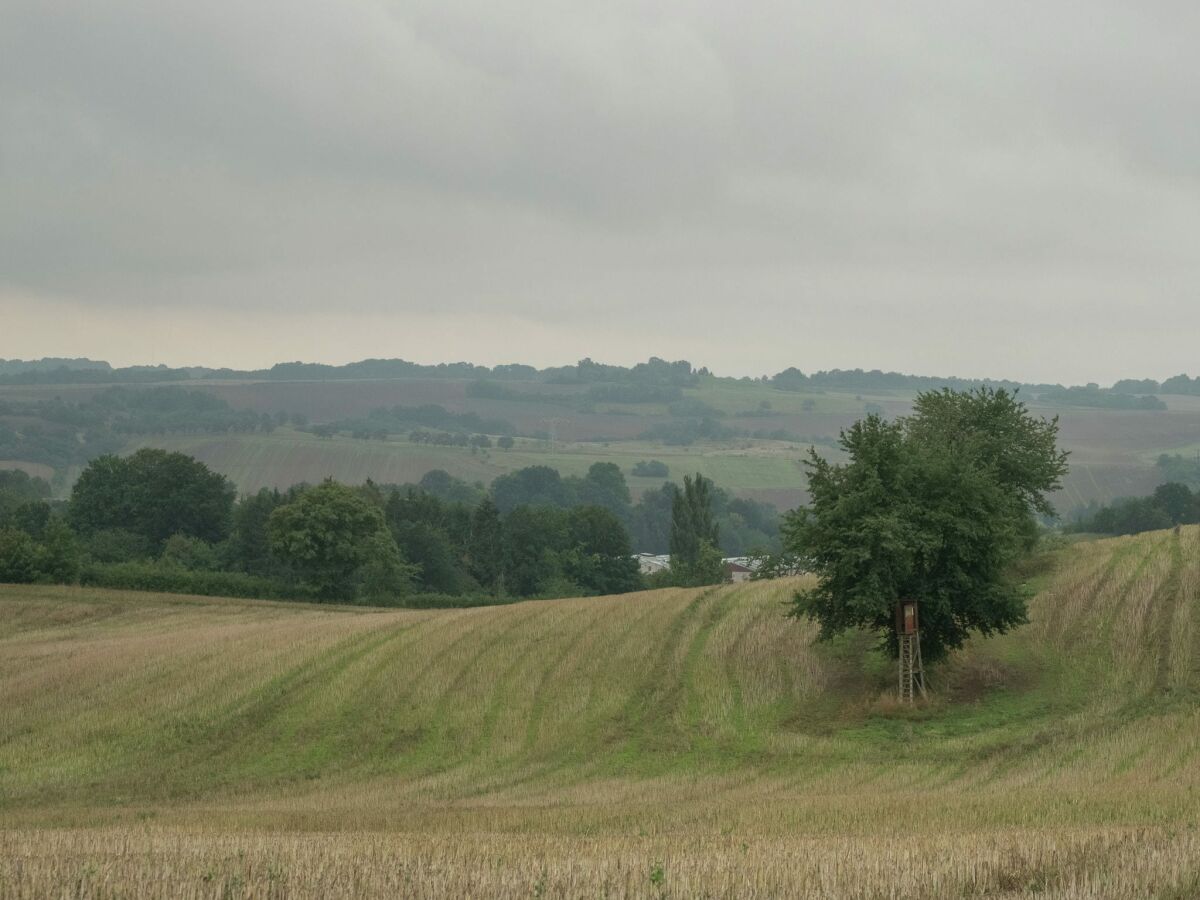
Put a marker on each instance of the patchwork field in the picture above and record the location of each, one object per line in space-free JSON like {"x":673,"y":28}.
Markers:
{"x":1113,"y":451}
{"x":677,"y":743}
{"x":765,"y":470}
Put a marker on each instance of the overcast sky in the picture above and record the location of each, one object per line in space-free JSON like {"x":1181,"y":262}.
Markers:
{"x":976,"y":188}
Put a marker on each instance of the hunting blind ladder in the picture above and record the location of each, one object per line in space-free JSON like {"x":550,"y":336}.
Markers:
{"x":908,"y":636}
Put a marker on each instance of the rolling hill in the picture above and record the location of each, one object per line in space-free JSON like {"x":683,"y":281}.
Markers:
{"x":1113,"y":450}
{"x":673,"y":743}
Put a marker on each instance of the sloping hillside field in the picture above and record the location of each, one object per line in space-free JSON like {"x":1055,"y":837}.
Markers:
{"x":669,"y":744}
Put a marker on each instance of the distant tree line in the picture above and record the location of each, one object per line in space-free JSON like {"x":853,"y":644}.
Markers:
{"x":1093,"y":396}
{"x":51,"y":364}
{"x":1176,"y":467}
{"x":52,"y":371}
{"x":58,"y":433}
{"x":450,"y":438}
{"x":685,"y":432}
{"x":1178,"y":384}
{"x":397,"y":419}
{"x":1170,"y":504}
{"x":655,"y":371}
{"x":157,"y":520}
{"x":793,"y":379}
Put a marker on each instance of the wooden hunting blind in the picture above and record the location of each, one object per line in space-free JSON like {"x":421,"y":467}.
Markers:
{"x":908,"y":640}
{"x":906,"y":617}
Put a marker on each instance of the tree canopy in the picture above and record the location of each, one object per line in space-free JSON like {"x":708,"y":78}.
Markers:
{"x":934,"y":507}
{"x":695,"y":559}
{"x":1170,"y":504}
{"x":155,"y":494}
{"x":338,"y":541}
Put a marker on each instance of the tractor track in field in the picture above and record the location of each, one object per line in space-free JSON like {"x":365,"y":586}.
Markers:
{"x":723,"y":602}
{"x":537,"y":709}
{"x":651,"y":699}
{"x":495,"y":703}
{"x":1166,"y":605}
{"x":436,"y":725}
{"x":290,"y":688}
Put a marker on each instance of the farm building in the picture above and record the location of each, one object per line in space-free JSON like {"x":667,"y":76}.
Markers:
{"x":650,"y":563}
{"x":737,"y":568}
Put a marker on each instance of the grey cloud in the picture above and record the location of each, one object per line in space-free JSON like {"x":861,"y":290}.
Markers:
{"x":825,"y":162}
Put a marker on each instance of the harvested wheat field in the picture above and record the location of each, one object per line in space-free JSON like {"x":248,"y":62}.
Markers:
{"x":681,"y":743}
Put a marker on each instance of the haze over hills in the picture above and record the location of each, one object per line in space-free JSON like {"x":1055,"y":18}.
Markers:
{"x":357,"y":421}
{"x":54,"y":370}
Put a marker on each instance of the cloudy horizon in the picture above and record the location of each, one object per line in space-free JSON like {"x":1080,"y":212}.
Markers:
{"x":975,"y":190}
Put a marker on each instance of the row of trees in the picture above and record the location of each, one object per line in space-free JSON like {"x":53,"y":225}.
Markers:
{"x":1093,"y":395}
{"x":61,"y":434}
{"x":1179,"y":468}
{"x":1177,"y":384}
{"x":163,"y":520}
{"x":745,"y":525}
{"x":1170,"y":504}
{"x":455,"y":439}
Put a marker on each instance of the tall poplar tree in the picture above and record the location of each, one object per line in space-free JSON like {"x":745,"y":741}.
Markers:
{"x":695,"y":558}
{"x":485,"y":546}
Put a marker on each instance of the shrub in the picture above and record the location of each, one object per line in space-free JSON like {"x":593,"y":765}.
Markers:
{"x":58,"y":555}
{"x":190,"y":553}
{"x":142,"y":576}
{"x":117,"y":545}
{"x":651,"y":469}
{"x":18,"y":557}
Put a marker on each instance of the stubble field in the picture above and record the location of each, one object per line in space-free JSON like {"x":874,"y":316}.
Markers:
{"x":669,"y":744}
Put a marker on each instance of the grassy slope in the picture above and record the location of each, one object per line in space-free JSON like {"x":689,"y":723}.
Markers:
{"x":549,"y":748}
{"x":154,"y":699}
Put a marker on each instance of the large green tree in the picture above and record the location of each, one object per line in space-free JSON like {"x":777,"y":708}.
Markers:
{"x":485,"y":547}
{"x":433,"y":535}
{"x":605,"y":486}
{"x":58,"y":553}
{"x":18,"y":557}
{"x":249,"y":543}
{"x":600,"y":559}
{"x":532,"y":486}
{"x":155,"y":494}
{"x":18,"y":489}
{"x":337,"y":542}
{"x":934,"y":507}
{"x":535,"y":539}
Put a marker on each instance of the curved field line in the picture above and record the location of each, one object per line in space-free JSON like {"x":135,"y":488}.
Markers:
{"x":735,"y":685}
{"x":1166,"y":605}
{"x":658,"y":694}
{"x":435,"y":729}
{"x":304,"y":675}
{"x":499,"y":692}
{"x":724,"y":602}
{"x":540,"y":695}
